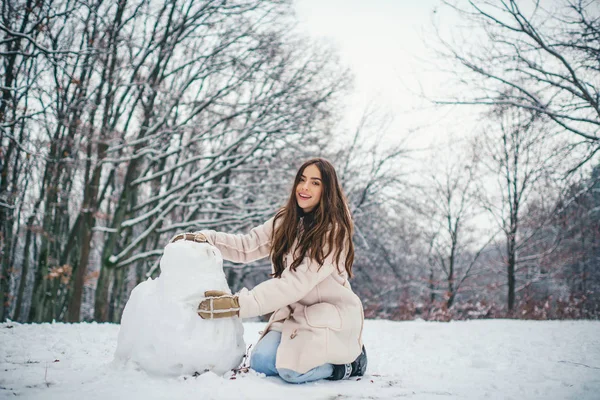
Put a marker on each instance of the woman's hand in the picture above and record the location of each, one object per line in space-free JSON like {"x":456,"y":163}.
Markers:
{"x":218,"y":304}
{"x":198,"y":237}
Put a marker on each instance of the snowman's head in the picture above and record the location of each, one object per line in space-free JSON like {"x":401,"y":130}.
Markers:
{"x":189,"y":268}
{"x":192,"y":256}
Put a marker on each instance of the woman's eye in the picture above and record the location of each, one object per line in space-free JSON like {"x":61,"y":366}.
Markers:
{"x":315,"y":183}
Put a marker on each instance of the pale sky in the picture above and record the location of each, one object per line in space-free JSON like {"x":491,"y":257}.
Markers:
{"x":382,"y":42}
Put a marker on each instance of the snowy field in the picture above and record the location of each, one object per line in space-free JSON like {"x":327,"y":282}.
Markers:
{"x":493,"y":359}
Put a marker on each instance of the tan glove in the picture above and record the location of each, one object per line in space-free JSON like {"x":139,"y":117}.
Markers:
{"x":218,"y":304}
{"x":193,"y":237}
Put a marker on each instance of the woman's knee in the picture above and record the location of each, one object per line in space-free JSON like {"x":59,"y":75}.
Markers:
{"x":263,"y":363}
{"x":265,"y":353}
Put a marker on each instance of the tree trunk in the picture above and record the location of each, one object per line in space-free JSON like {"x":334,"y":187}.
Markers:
{"x":431,"y":287}
{"x":41,"y":290}
{"x":88,"y":222}
{"x":80,"y":270}
{"x":510,"y":271}
{"x":13,"y":52}
{"x":101,"y":295}
{"x":118,"y":289}
{"x":24,"y":270}
{"x":451,"y":262}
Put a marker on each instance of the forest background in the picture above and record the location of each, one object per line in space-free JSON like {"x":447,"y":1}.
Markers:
{"x":124,"y":123}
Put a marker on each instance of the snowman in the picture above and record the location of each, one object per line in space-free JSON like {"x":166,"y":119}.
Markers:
{"x":161,"y":331}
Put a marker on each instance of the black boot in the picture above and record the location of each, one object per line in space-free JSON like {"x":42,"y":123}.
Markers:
{"x":358,"y":367}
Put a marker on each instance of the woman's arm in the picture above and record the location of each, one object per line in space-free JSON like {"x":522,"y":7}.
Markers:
{"x":291,"y":287}
{"x":243,"y":248}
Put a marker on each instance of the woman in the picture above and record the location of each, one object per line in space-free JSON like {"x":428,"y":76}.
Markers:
{"x":315,"y":331}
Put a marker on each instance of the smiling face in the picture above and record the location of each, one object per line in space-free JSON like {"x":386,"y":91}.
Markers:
{"x":309,"y":188}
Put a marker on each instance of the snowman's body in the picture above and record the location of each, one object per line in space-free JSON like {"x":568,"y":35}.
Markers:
{"x":160,"y":329}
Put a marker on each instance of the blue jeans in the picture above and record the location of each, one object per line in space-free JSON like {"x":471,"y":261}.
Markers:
{"x":263,"y":361}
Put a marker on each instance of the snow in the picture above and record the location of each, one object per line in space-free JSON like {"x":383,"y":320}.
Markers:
{"x":160,"y":329}
{"x":480,"y":359}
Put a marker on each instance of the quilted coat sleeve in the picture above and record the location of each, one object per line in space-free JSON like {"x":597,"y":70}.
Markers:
{"x":243,"y":248}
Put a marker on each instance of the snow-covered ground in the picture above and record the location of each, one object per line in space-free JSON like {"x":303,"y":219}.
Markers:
{"x":491,"y":359}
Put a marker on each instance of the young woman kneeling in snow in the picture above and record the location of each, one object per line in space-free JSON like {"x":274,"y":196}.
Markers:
{"x":315,"y":331}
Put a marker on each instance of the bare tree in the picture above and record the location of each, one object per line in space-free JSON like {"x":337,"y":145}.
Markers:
{"x":537,"y":56}
{"x":574,"y":263}
{"x":520,"y":154}
{"x":28,"y":53}
{"x":450,"y":207}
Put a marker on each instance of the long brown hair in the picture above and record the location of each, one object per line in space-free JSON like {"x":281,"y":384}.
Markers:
{"x":325,"y":229}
